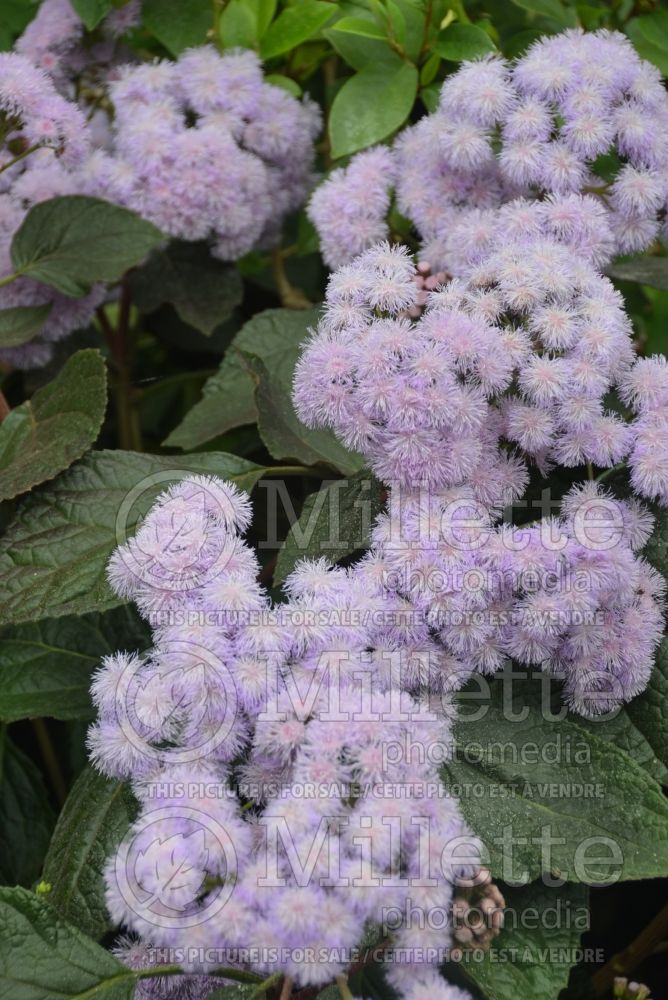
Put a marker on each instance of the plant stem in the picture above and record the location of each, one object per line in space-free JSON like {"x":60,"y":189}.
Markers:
{"x":50,"y":760}
{"x":21,"y":156}
{"x":626,"y":961}
{"x":291,"y":298}
{"x":158,"y":971}
{"x":5,"y":408}
{"x":590,"y":472}
{"x":602,"y":476}
{"x":214,"y":33}
{"x":129,"y":430}
{"x":344,"y":989}
{"x":290,"y":470}
{"x":8,"y":278}
{"x":286,"y":991}
{"x":457,"y":7}
{"x":429,"y":10}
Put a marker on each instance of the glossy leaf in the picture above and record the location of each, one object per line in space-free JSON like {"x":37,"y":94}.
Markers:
{"x":649,"y":34}
{"x":362,"y":26}
{"x":176,"y":24}
{"x":295,"y":25}
{"x":463,"y":41}
{"x":370,"y":106}
{"x":554,"y":10}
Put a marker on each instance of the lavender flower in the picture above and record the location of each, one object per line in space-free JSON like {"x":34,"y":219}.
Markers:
{"x":533,"y":128}
{"x":36,"y":115}
{"x":205,"y":149}
{"x":52,"y":135}
{"x":51,"y":38}
{"x":160,"y":715}
{"x":54,"y":41}
{"x":520,"y":351}
{"x":646,"y":389}
{"x":349,"y":210}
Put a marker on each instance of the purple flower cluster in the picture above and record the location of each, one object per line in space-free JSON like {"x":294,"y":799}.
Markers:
{"x":34,"y":115}
{"x":569,"y":594}
{"x":507,"y":366}
{"x":645,"y":389}
{"x":206,"y":149}
{"x":524,"y":348}
{"x":54,"y":40}
{"x":534,"y":128}
{"x":52,"y":37}
{"x":52,"y":132}
{"x":203,"y":147}
{"x":302,"y":709}
{"x":350,"y":209}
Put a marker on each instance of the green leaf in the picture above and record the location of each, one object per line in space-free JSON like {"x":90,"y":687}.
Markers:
{"x":649,"y":34}
{"x":54,"y":553}
{"x":73,"y":242}
{"x":412,"y":27}
{"x":228,"y":401}
{"x":431,"y":96}
{"x":648,"y":711}
{"x":16,"y":15}
{"x":429,"y":70}
{"x":264,"y":14}
{"x":540,"y":948}
{"x":362,"y":52}
{"x":46,"y":666}
{"x":244,"y":22}
{"x":283,"y":433}
{"x":94,"y":820}
{"x":592,"y":18}
{"x":362,"y":26}
{"x":656,"y":550}
{"x":334,"y":522}
{"x":26,"y":818}
{"x":178,"y":24}
{"x":19,"y":325}
{"x":203,"y":290}
{"x":370,"y":106}
{"x":285,"y":82}
{"x":552,"y":9}
{"x":236,"y":993}
{"x":44,"y":435}
{"x":463,"y":41}
{"x":238,"y":26}
{"x":534,"y":776}
{"x":91,"y":12}
{"x":652,"y":271}
{"x":631,"y":732}
{"x":44,"y":958}
{"x":295,"y":25}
